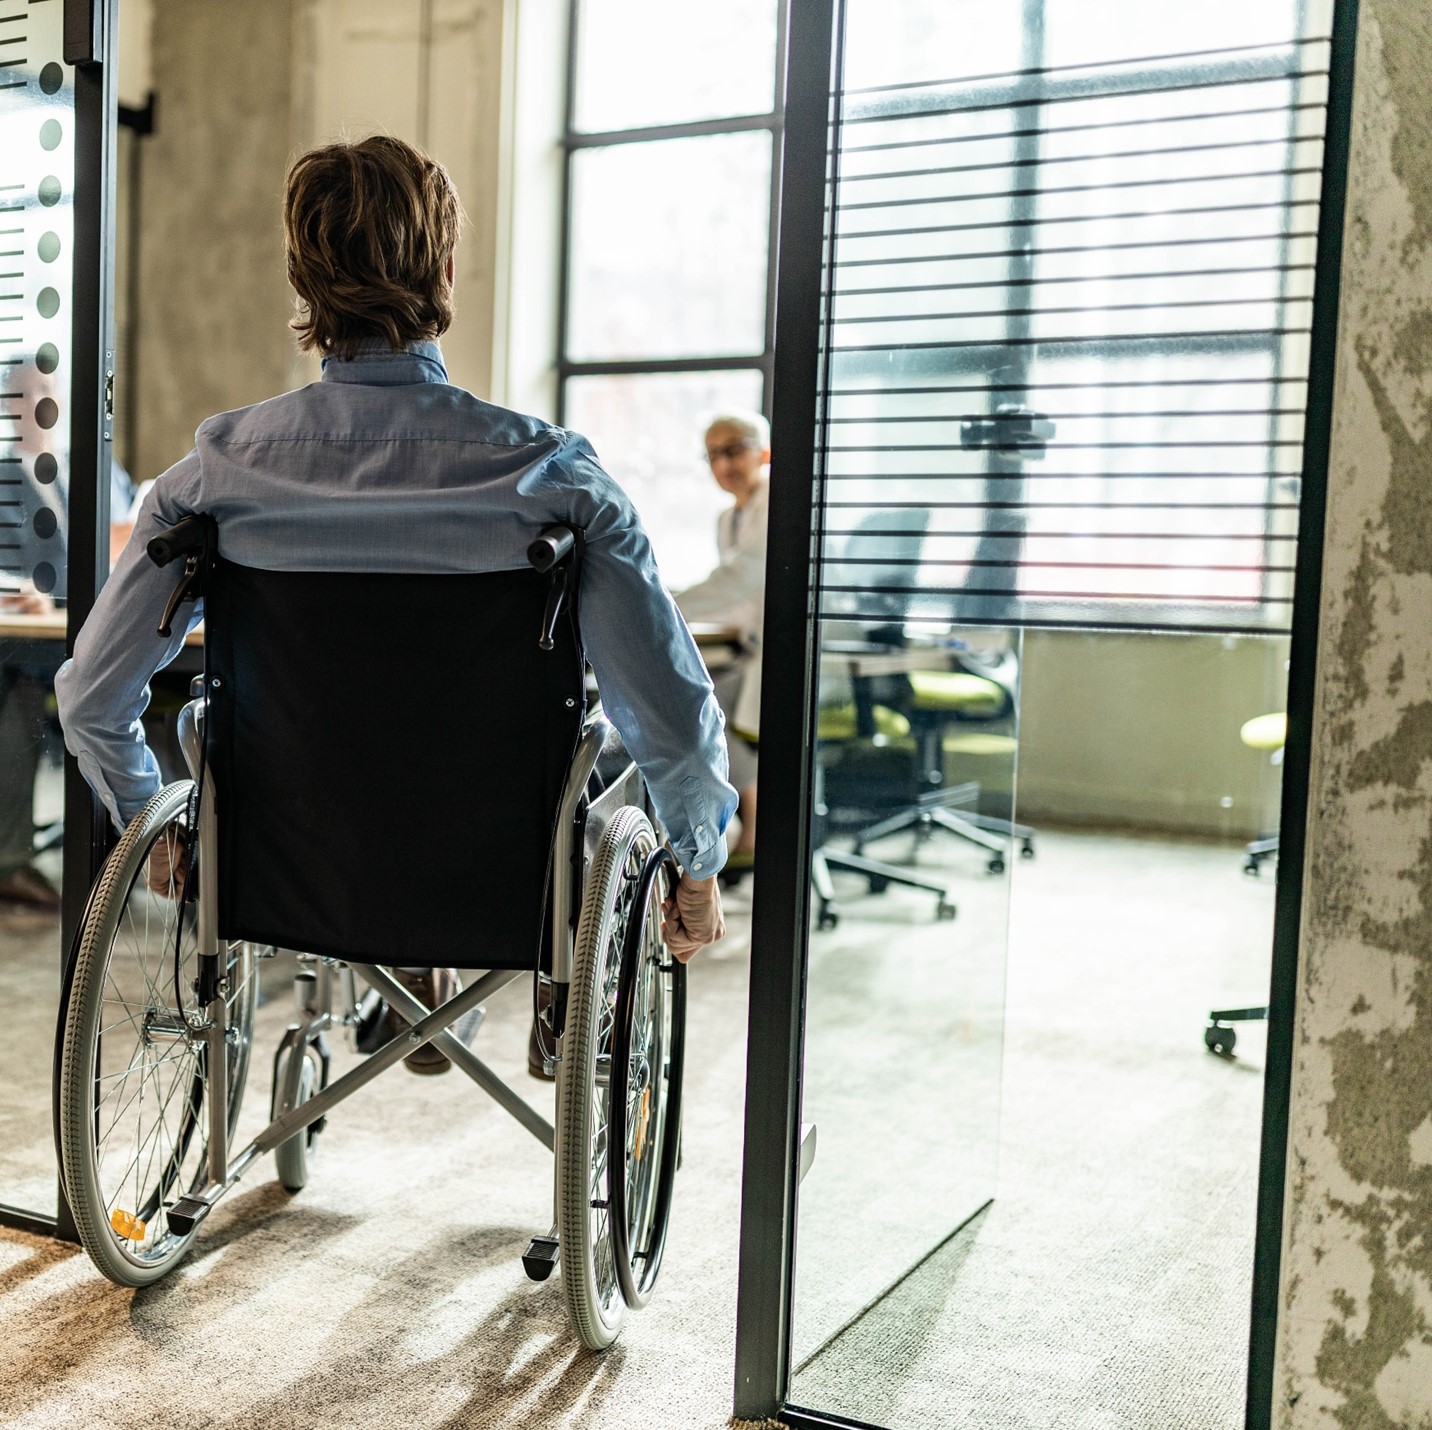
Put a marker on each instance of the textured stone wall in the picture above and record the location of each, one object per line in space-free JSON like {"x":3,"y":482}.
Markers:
{"x":1356,"y":1331}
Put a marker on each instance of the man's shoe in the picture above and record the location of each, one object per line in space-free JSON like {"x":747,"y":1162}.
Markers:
{"x":29,"y":887}
{"x":433,"y":987}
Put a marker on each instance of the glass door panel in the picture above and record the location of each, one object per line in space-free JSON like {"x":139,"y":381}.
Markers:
{"x":37,"y":171}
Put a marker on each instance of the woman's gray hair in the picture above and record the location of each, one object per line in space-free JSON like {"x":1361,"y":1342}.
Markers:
{"x":751,"y":425}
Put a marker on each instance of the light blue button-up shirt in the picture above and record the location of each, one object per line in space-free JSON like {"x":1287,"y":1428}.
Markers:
{"x":385,"y":466}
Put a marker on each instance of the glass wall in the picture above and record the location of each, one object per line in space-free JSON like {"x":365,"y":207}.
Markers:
{"x":37,"y":166}
{"x":1070,"y":273}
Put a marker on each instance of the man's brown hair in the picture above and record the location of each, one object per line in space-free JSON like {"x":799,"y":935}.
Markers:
{"x":369,"y":228}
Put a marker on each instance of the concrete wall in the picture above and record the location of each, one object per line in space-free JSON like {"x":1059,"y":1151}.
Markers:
{"x":241,"y":89}
{"x":1356,"y":1331}
{"x":213,"y":300}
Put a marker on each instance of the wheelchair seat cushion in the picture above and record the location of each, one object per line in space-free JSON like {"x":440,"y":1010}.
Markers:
{"x":388,"y":752}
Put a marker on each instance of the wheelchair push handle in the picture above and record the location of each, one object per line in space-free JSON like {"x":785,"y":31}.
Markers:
{"x":196,"y":539}
{"x":555,"y":551}
{"x":192,"y":534}
{"x":553,"y":545}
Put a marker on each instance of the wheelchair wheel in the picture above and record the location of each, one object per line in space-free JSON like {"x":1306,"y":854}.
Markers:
{"x":133,"y":1079}
{"x":648,"y":1059}
{"x":295,"y":1157}
{"x":584,"y":1078}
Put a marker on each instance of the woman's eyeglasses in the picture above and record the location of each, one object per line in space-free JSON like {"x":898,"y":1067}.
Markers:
{"x":731,"y":450}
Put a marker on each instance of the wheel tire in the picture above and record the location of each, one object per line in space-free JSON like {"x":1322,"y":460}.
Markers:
{"x":294,"y":1158}
{"x":878,"y":884}
{"x":594,"y":1299}
{"x":945,"y":910}
{"x":828,"y":919}
{"x":995,"y":866}
{"x":103,"y":976}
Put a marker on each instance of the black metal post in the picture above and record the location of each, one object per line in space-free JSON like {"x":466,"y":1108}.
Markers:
{"x":1302,"y":692}
{"x":780,"y":915}
{"x":92,"y":419}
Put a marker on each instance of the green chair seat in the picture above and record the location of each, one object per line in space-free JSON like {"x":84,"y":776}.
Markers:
{"x":1265,"y":732}
{"x":956,"y":690}
{"x":975,"y":742}
{"x":838,"y":722}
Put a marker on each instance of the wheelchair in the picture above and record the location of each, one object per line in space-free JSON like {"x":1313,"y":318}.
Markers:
{"x":545,"y":859}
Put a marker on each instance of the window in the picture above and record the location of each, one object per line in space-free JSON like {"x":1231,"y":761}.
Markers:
{"x":673,"y":127}
{"x":1073,"y":283}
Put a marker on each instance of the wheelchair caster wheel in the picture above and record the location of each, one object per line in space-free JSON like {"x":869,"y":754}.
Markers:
{"x":294,"y":1158}
{"x":995,"y":865}
{"x":827,"y":920}
{"x":1220,"y":1039}
{"x":945,"y":910}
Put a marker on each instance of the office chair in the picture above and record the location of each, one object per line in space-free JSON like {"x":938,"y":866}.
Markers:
{"x":839,"y":727}
{"x":1263,"y":732}
{"x":935,"y":702}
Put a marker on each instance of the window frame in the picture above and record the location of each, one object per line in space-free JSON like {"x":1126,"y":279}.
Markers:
{"x":575,"y":140}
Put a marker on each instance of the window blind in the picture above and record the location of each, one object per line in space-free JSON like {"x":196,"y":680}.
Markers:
{"x":1067,"y":340}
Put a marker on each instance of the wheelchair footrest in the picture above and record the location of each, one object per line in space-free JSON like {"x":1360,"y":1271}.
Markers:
{"x":540,"y":1257}
{"x":186,"y":1214}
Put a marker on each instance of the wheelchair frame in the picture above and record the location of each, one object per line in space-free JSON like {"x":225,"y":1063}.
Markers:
{"x":299,"y":1110}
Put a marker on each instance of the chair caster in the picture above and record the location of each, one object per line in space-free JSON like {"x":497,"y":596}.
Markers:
{"x":1221,"y":1039}
{"x":878,"y":885}
{"x":945,"y":910}
{"x":995,"y":865}
{"x":1026,"y":850}
{"x":1252,"y":868}
{"x":827,"y":919}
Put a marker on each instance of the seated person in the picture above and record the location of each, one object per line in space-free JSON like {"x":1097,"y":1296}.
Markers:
{"x":738,"y":446}
{"x":384,"y":465}
{"x":28,"y":664}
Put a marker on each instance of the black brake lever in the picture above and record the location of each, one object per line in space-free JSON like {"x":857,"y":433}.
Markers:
{"x":183,"y":591}
{"x":556,"y":599}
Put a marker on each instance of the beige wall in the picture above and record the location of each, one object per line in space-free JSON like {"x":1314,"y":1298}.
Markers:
{"x":1355,"y":1349}
{"x":1142,"y":731}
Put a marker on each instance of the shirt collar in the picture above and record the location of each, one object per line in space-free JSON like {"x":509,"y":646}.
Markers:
{"x":375,"y":364}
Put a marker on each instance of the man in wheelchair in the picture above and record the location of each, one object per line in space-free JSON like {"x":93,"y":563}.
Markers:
{"x":362,"y":552}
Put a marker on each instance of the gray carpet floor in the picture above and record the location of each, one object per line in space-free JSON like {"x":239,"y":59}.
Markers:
{"x":1105,"y":1286}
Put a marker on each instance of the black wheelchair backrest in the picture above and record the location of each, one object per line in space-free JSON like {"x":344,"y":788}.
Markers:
{"x":388,"y":754}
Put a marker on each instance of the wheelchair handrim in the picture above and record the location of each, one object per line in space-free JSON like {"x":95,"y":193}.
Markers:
{"x":643,"y":1237}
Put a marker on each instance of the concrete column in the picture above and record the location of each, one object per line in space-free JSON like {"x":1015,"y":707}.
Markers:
{"x":1355,"y":1341}
{"x":213,"y":301}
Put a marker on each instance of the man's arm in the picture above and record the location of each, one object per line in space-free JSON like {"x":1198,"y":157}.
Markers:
{"x":653,"y":682}
{"x":104,"y":688}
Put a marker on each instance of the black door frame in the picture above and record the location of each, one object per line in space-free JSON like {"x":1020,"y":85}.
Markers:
{"x":91,"y":32}
{"x":781,"y":906}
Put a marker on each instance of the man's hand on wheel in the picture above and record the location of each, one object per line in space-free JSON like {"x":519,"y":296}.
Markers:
{"x":168,"y":867}
{"x":692,"y":918}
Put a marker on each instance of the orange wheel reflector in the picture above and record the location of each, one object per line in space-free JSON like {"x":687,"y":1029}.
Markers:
{"x":643,"y":1120}
{"x":127,"y":1225}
